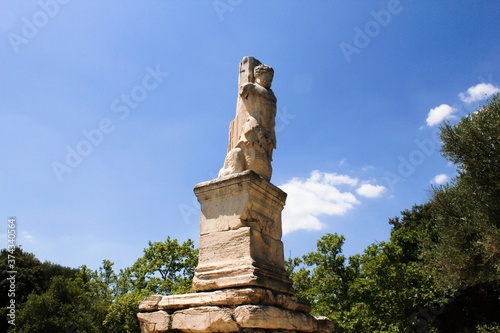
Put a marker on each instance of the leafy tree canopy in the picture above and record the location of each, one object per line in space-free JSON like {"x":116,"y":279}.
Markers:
{"x":465,"y":258}
{"x":59,"y":299}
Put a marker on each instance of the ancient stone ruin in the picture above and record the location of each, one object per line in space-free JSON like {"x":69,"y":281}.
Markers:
{"x":240,"y":282}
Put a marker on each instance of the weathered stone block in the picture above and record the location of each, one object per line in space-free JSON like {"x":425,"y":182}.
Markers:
{"x":273,"y":318}
{"x":238,"y":200}
{"x":154,"y":322}
{"x":239,"y":247}
{"x":325,"y":325}
{"x":240,"y":258}
{"x":204,"y":319}
{"x":240,"y":234}
{"x":225,"y":298}
{"x":244,"y":318}
{"x":150,"y":303}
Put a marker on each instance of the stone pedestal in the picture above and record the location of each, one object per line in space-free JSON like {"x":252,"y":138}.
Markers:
{"x":240,"y":234}
{"x":240,"y":282}
{"x":230,"y":310}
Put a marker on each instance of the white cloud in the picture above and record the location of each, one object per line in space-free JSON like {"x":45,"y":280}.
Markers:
{"x":316,"y":196}
{"x":27,"y":237}
{"x":439,"y":113}
{"x":342,"y":162}
{"x":367,"y":168}
{"x":334,"y":179}
{"x":440,"y":179}
{"x":478,"y":92}
{"x":371,"y":191}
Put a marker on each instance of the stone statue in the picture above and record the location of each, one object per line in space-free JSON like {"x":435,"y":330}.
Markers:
{"x":240,"y":282}
{"x":251,"y":135}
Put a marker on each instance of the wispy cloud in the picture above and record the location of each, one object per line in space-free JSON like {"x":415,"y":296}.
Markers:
{"x":442,"y":178}
{"x":318,"y":195}
{"x":440,"y":113}
{"x":478,"y":92}
{"x":371,"y":191}
{"x":27,"y":237}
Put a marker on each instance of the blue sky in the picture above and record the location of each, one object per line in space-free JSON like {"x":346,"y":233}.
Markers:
{"x":112,"y":111}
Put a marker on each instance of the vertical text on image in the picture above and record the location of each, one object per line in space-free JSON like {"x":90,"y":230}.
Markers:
{"x":11,"y":270}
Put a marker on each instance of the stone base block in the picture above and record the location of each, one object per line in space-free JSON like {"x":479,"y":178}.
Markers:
{"x":226,"y":297}
{"x":240,"y":258}
{"x":244,"y":318}
{"x":158,"y":321}
{"x":204,"y":319}
{"x":240,"y":234}
{"x":240,"y":200}
{"x":230,"y":310}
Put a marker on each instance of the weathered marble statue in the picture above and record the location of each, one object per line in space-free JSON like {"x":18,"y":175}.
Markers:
{"x":251,"y":134}
{"x":240,"y":283}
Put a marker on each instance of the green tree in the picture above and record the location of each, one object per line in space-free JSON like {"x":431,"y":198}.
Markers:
{"x":324,"y":277}
{"x":32,"y":277}
{"x":465,"y":259}
{"x":108,"y":280}
{"x":60,"y":299}
{"x":383,"y":290}
{"x":392,"y":287}
{"x":101,"y":286}
{"x":467,"y":210}
{"x":165,"y":268}
{"x":65,"y":306}
{"x":29,"y":278}
{"x":121,"y":317}
{"x":52,"y":269}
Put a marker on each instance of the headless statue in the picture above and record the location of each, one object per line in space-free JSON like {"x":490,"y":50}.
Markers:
{"x":251,"y":135}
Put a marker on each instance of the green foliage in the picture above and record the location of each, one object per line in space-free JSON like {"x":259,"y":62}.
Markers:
{"x":440,"y":269}
{"x":468,"y":308}
{"x":59,"y":299}
{"x":467,"y":211}
{"x":491,"y":328}
{"x":121,"y":317}
{"x":381,"y":290}
{"x":28,"y":279}
{"x":391,"y":286}
{"x":473,"y":145}
{"x":331,"y":276}
{"x":64,"y":305}
{"x":324,"y":277}
{"x":51,"y":269}
{"x":468,"y":250}
{"x":465,"y":258}
{"x":32,"y":277}
{"x":165,"y":268}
